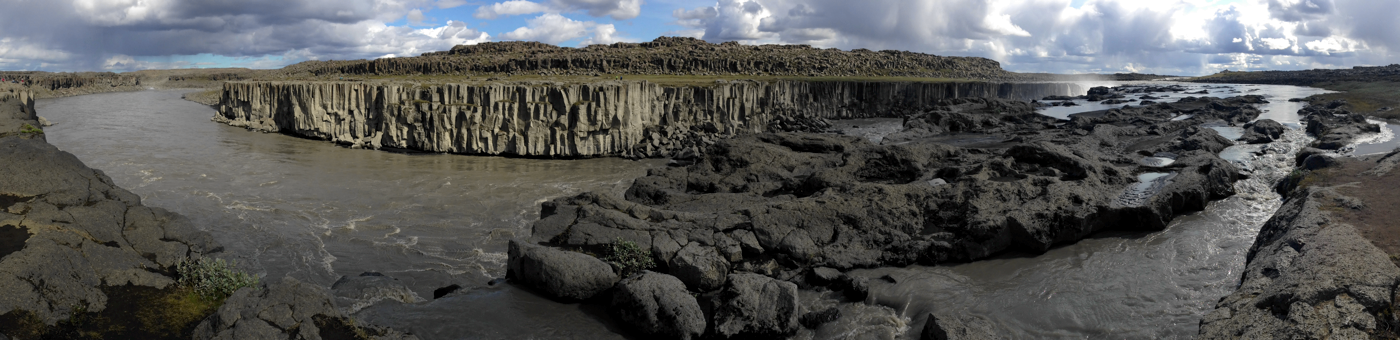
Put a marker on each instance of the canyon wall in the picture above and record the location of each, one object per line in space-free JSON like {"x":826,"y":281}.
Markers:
{"x":616,"y":118}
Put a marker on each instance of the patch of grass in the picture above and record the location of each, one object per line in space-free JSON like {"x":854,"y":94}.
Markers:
{"x":628,"y":257}
{"x":213,"y":278}
{"x":1365,"y":97}
{"x":132,"y":312}
{"x":26,"y":128}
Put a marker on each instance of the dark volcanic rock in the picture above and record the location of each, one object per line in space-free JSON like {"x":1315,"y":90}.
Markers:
{"x":80,"y":232}
{"x":755,"y":305}
{"x":288,"y":309}
{"x":1307,"y":277}
{"x":1262,"y":131}
{"x":818,"y":318}
{"x":1319,"y":161}
{"x":1335,"y":128}
{"x":559,"y":273}
{"x":957,"y":328}
{"x":658,"y":305}
{"x":700,"y":267}
{"x":353,"y":293}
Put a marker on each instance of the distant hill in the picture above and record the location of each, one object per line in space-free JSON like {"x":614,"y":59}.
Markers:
{"x":1312,"y":77}
{"x":665,"y":56}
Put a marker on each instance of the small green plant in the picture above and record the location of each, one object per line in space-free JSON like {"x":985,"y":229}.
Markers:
{"x":26,"y":128}
{"x":628,"y":257}
{"x":213,"y":278}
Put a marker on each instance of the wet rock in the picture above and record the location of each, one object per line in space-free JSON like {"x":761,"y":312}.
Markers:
{"x":1320,"y":161}
{"x":1306,"y":152}
{"x":1262,"y":131}
{"x":822,"y":276}
{"x":816,"y":319}
{"x":700,"y":267}
{"x":658,"y":305}
{"x":756,"y":305}
{"x":358,"y":292}
{"x":1307,"y":276}
{"x":957,"y":328}
{"x":1335,"y":128}
{"x":444,"y":291}
{"x":559,"y":273}
{"x":288,"y":309}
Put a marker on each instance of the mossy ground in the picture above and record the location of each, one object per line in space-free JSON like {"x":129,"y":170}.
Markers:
{"x":1365,"y":97}
{"x":132,"y":312}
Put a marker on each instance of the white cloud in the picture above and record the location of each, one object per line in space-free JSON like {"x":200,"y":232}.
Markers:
{"x":1167,"y":36}
{"x":513,"y":7}
{"x":551,"y":29}
{"x":617,"y":9}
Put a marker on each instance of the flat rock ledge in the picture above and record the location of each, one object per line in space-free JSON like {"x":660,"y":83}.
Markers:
{"x":765,"y":215}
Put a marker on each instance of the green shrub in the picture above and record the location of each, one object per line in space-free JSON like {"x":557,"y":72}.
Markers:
{"x":26,"y":128}
{"x":628,"y":257}
{"x":213,"y":278}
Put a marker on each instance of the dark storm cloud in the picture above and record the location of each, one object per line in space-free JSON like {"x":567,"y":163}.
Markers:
{"x":84,"y":34}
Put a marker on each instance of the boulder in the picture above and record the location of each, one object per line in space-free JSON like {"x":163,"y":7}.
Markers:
{"x":353,"y":293}
{"x":816,"y":319}
{"x":756,"y":305}
{"x":288,"y":309}
{"x":658,"y":305}
{"x":1262,"y":131}
{"x":700,"y":267}
{"x":559,"y":273}
{"x":947,"y":327}
{"x":1320,"y":161}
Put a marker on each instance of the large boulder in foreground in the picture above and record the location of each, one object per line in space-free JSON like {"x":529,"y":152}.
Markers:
{"x":559,"y":273}
{"x":756,"y":305}
{"x":700,"y":267}
{"x":658,"y":305}
{"x":66,"y":231}
{"x":289,"y":309}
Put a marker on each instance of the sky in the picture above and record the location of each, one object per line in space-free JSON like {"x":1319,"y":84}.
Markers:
{"x":1175,"y":37}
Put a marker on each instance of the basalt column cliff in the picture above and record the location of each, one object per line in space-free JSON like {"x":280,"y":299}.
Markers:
{"x":615,"y":118}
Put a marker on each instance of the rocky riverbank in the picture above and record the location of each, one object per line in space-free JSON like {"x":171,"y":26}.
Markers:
{"x":1315,"y":270}
{"x":81,"y":258}
{"x":756,"y":218}
{"x":635,"y":119}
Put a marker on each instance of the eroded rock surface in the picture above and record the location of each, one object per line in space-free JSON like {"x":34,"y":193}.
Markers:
{"x":81,"y":232}
{"x":1335,"y":128}
{"x":608,"y":118}
{"x":561,"y":274}
{"x":1307,"y":277}
{"x":973,"y":178}
{"x":289,"y":309}
{"x":658,"y":305}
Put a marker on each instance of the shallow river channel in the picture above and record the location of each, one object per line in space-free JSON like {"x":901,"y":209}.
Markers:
{"x":316,"y":211}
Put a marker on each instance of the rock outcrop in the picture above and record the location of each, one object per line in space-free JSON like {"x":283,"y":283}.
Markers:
{"x":560,"y":274}
{"x":288,"y":309}
{"x":658,"y":305}
{"x":666,"y":56}
{"x":17,"y":112}
{"x":631,"y":119}
{"x":966,"y":180}
{"x":51,"y":85}
{"x":1308,"y":277}
{"x":79,"y":233}
{"x":1334,"y":127}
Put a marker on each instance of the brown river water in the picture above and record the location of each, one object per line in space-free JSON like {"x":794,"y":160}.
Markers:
{"x":316,"y":211}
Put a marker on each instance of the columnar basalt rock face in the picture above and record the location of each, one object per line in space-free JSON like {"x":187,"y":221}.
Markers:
{"x":634,"y":119}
